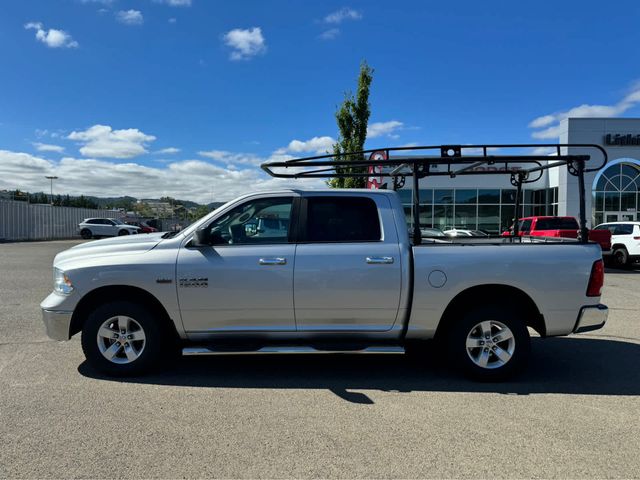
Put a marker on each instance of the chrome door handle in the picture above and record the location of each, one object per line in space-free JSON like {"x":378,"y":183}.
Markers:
{"x":273,"y":261}
{"x":379,"y":260}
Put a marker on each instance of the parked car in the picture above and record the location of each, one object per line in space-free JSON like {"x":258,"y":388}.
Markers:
{"x":559,"y":227}
{"x":143,"y":226}
{"x":431,"y":232}
{"x":625,"y":242}
{"x":462,"y":232}
{"x":342,"y":276}
{"x":105,"y":227}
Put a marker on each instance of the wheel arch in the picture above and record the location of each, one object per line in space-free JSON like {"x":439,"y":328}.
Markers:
{"x":494,"y":294}
{"x":102,"y":295}
{"x":618,"y":245}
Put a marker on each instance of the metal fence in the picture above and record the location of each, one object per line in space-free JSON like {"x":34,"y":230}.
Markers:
{"x":27,"y":221}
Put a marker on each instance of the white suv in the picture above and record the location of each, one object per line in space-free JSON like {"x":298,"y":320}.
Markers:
{"x":625,"y":242}
{"x":105,"y":227}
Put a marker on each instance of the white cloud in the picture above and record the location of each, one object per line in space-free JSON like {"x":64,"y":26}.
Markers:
{"x":52,"y":38}
{"x":341,"y":15}
{"x":175,"y":3}
{"x":172,"y":20}
{"x":46,"y":147}
{"x":378,"y":129}
{"x":181,"y":179}
{"x":103,"y":141}
{"x":245,"y":43}
{"x":231,"y":159}
{"x":550,"y":124}
{"x":319,"y":145}
{"x":130,"y":17}
{"x":169,"y":150}
{"x":103,"y":2}
{"x":330,"y":34}
{"x":548,"y":151}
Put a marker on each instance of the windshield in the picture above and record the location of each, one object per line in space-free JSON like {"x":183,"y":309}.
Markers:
{"x":117,"y":222}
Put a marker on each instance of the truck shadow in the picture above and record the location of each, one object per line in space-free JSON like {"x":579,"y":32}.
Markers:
{"x":583,"y":366}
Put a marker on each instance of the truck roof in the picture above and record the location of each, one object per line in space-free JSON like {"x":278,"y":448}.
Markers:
{"x":545,"y":217}
{"x":331,"y":190}
{"x":620,"y":223}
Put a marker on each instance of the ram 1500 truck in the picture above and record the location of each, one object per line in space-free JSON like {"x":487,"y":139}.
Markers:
{"x":320,"y":271}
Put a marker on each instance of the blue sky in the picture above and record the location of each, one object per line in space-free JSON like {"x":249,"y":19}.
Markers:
{"x":185,"y":98}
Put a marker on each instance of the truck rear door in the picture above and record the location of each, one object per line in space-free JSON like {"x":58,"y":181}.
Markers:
{"x":348,"y":270}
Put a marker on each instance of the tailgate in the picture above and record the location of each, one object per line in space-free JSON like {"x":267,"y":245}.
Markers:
{"x":603,"y":237}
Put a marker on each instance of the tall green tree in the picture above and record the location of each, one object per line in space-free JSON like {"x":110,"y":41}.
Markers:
{"x":352,"y":118}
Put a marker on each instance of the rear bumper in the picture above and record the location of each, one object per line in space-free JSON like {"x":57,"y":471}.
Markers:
{"x":591,"y":318}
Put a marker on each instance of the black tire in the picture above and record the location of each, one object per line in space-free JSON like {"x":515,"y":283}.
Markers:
{"x":157,"y":347}
{"x":123,"y":232}
{"x":86,"y":233}
{"x":620,"y":258}
{"x":461,"y":356}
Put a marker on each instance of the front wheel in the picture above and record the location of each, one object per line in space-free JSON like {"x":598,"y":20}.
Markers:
{"x":489,"y":343}
{"x":123,"y":232}
{"x":123,"y":338}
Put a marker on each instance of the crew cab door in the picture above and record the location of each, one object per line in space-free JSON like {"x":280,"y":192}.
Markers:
{"x":243,"y":281}
{"x":348,"y":267}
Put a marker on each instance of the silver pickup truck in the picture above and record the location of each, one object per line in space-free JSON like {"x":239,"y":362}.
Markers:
{"x":331,"y":270}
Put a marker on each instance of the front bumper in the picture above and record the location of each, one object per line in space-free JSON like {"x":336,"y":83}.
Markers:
{"x":591,"y":318}
{"x":57,"y":324}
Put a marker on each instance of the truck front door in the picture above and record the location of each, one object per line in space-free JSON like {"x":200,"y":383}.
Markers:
{"x":243,"y":281}
{"x":348,"y":268}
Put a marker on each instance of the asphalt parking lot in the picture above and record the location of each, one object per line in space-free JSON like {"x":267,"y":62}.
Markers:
{"x":574,"y":413}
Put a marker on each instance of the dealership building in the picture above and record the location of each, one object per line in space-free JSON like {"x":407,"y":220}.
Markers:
{"x":487,"y":202}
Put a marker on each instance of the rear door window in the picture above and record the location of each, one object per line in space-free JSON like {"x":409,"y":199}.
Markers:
{"x":557,"y":224}
{"x":342,"y":219}
{"x":623,"y":229}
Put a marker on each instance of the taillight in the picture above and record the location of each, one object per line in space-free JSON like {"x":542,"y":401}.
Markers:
{"x":636,"y":238}
{"x":596,"y":280}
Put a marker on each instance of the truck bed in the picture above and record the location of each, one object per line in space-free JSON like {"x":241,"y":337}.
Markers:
{"x":496,"y":240}
{"x":554,"y":276}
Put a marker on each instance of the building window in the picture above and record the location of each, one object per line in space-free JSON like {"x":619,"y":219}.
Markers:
{"x":491,"y":210}
{"x":616,"y":194}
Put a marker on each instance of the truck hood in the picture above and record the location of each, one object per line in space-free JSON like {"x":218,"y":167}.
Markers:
{"x":126,"y":244}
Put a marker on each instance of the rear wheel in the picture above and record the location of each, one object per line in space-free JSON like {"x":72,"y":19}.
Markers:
{"x":620,"y":257}
{"x":489,"y":343}
{"x":123,"y":338}
{"x":85,"y":233}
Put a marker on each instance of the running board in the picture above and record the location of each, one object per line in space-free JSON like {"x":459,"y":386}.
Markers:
{"x":192,"y":351}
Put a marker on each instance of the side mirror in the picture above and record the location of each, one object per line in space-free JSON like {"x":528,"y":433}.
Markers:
{"x":201,"y":238}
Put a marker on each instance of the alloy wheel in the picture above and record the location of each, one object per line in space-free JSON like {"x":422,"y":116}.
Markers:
{"x":490,"y":344}
{"x":121,"y":339}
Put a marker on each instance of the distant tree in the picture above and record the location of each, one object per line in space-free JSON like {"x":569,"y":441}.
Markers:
{"x":199,"y":212}
{"x":353,"y":118}
{"x":19,"y":195}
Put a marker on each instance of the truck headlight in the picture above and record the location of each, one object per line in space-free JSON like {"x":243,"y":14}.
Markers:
{"x":61,"y":282}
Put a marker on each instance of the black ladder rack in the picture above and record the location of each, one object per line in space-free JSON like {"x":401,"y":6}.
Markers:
{"x":455,"y":160}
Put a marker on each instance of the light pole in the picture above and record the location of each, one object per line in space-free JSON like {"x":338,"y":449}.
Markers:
{"x":52,"y":178}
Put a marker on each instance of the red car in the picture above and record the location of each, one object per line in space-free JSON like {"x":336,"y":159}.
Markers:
{"x":566,"y":227}
{"x":144,"y":228}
